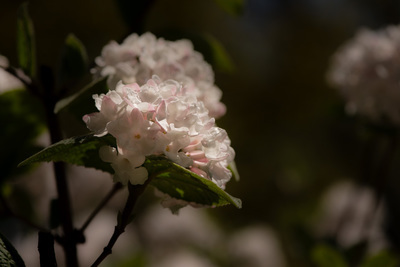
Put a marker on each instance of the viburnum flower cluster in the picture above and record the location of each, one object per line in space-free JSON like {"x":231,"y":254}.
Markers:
{"x":160,"y":118}
{"x":366,"y":71}
{"x":138,"y":58}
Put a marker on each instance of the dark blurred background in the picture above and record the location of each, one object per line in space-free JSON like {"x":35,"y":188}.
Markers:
{"x":288,"y":127}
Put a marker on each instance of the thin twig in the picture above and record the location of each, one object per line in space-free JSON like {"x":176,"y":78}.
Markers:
{"x":46,"y":250}
{"x":134,"y":192}
{"x":114,"y":190}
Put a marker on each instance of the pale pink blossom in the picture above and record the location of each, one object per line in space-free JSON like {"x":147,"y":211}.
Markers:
{"x":159,"y":118}
{"x":138,"y":58}
{"x":366,"y":71}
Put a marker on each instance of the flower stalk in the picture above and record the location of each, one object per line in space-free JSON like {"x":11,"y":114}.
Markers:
{"x":123,"y":219}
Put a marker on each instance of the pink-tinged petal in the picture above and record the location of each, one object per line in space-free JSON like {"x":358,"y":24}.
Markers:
{"x":199,"y":172}
{"x":161,"y":111}
{"x":195,"y":144}
{"x":108,"y":108}
{"x":160,"y":120}
{"x":137,"y":160}
{"x":217,"y":110}
{"x":197,"y":155}
{"x":136,"y":121}
{"x":138,"y":176}
{"x":108,"y":153}
{"x":95,"y":122}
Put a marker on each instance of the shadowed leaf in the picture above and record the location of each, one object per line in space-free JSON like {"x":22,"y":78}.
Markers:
{"x":233,"y":7}
{"x":167,"y":176}
{"x":81,"y":150}
{"x":183,"y":184}
{"x":82,"y":101}
{"x":8,"y":255}
{"x":326,"y":256}
{"x":220,"y":57}
{"x":74,"y":62}
{"x":383,"y":258}
{"x":22,"y":119}
{"x":26,"y":42}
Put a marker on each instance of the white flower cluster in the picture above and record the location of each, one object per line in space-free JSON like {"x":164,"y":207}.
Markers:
{"x":160,"y":118}
{"x":366,"y":71}
{"x":138,"y":58}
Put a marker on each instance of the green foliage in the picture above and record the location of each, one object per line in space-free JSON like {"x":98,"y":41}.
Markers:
{"x":26,"y":42}
{"x":74,"y":62}
{"x":356,"y":252}
{"x":81,"y":150}
{"x":235,"y":174}
{"x":137,"y":260}
{"x":220,"y":57}
{"x":22,"y":118}
{"x":82,"y":102}
{"x":383,"y":259}
{"x":210,"y":47}
{"x":9,"y":257}
{"x":181,"y":183}
{"x":167,"y":176}
{"x":233,"y":7}
{"x":324,"y":255}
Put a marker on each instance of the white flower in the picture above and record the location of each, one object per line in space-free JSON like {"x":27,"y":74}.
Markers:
{"x":7,"y":81}
{"x":366,"y":71}
{"x":138,"y":58}
{"x":159,"y":118}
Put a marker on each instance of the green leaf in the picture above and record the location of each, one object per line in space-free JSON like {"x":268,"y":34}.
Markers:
{"x":183,"y":184}
{"x":26,"y":41}
{"x":324,"y":255}
{"x":167,"y":176}
{"x":211,"y":48}
{"x":22,"y":119}
{"x":383,"y":258}
{"x":9,"y":257}
{"x":137,"y":259}
{"x":81,"y":150}
{"x":82,"y":102}
{"x":233,"y":7}
{"x":220,"y":57}
{"x":74,"y":62}
{"x":235,"y":174}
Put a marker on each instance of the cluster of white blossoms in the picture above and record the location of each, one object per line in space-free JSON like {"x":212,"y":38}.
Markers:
{"x":138,"y":58}
{"x":366,"y":71}
{"x":160,"y":118}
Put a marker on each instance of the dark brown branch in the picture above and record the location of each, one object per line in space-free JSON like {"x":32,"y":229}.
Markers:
{"x":134,"y":192}
{"x":46,"y":250}
{"x":47,"y":95}
{"x":64,"y":201}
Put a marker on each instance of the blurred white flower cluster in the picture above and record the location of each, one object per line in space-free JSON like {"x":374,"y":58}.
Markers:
{"x":160,"y":118}
{"x":138,"y":58}
{"x":366,"y":71}
{"x":7,"y":81}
